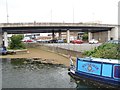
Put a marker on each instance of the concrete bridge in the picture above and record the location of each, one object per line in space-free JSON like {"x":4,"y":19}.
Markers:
{"x":102,"y":32}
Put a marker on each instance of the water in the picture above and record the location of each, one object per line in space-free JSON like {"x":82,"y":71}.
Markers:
{"x":21,"y":73}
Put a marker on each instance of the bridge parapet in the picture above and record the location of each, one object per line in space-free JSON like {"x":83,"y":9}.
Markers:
{"x":54,"y":24}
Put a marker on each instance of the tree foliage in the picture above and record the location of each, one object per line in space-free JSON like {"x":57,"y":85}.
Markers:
{"x":16,"y":42}
{"x":85,"y":36}
{"x":107,"y":50}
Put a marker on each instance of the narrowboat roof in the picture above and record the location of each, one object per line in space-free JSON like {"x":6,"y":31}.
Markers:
{"x":113,"y":61}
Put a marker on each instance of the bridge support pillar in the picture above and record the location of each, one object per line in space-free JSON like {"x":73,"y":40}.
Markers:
{"x":68,"y":36}
{"x":5,"y":39}
{"x":118,"y":32}
{"x":60,"y":36}
{"x":53,"y":35}
{"x":109,"y":35}
{"x":1,"y":42}
{"x":89,"y":36}
{"x":115,"y":33}
{"x":1,"y":39}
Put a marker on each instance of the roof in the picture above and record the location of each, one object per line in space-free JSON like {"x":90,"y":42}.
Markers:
{"x":112,"y":61}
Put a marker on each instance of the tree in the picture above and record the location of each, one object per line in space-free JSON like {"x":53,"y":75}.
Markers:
{"x":85,"y":36}
{"x":16,"y":42}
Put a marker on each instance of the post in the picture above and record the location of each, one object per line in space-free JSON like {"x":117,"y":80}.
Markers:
{"x":68,"y":36}
{"x":5,"y":39}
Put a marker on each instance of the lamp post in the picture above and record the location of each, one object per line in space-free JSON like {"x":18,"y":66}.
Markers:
{"x":73,"y":15}
{"x":7,"y":11}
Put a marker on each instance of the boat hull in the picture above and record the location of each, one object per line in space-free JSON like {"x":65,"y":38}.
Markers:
{"x":91,"y":82}
{"x":107,"y":73}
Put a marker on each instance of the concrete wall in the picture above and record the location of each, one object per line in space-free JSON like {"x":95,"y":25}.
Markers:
{"x":52,"y":48}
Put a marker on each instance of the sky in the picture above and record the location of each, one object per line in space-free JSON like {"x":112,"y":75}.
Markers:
{"x":67,"y":11}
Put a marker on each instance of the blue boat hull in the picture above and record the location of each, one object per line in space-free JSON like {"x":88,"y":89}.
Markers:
{"x":99,"y":79}
{"x":93,"y":81}
{"x":107,"y":73}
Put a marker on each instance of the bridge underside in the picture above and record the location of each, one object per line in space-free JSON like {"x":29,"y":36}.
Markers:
{"x":53,"y":29}
{"x":49,"y":29}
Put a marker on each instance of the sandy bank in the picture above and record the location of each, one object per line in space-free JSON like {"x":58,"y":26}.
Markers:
{"x":49,"y":57}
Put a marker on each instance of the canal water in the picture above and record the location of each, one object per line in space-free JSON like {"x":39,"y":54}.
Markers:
{"x":22,"y":73}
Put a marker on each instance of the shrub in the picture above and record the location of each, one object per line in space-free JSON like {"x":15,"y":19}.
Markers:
{"x":85,"y":36}
{"x":107,"y":50}
{"x":16,"y":42}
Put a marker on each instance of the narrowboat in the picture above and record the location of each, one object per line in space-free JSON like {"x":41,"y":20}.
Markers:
{"x":105,"y":71}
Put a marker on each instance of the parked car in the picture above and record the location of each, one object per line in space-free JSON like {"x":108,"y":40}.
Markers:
{"x":77,"y":41}
{"x":42,"y":41}
{"x":30,"y":40}
{"x":60,"y":41}
{"x":114,"y":41}
{"x":52,"y":41}
{"x":93,"y":41}
{"x":3,"y":51}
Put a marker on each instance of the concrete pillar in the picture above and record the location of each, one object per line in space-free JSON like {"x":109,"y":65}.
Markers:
{"x":1,"y":73}
{"x":68,"y":36}
{"x":60,"y":36}
{"x":89,"y":36}
{"x":118,"y":32}
{"x":53,"y":35}
{"x":109,"y":35}
{"x":1,"y":39}
{"x":115,"y":33}
{"x":5,"y":39}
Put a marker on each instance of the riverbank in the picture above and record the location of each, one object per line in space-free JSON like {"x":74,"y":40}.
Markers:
{"x":47,"y":56}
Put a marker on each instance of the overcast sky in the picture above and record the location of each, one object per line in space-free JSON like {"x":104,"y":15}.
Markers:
{"x":105,"y":11}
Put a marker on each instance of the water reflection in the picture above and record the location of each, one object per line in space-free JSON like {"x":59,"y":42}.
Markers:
{"x":21,"y":73}
{"x":24,"y":73}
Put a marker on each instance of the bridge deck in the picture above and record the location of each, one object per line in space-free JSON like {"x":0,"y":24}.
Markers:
{"x":56,"y":27}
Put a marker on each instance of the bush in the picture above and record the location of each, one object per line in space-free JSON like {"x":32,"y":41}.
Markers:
{"x":107,"y":50}
{"x":16,"y":42}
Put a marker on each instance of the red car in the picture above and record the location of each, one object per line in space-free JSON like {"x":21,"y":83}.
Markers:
{"x":77,"y":41}
{"x":28,"y":40}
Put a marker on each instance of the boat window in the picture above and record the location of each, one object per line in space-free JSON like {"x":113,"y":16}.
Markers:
{"x":117,"y":71}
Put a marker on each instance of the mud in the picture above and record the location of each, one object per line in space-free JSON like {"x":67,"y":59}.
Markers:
{"x":49,"y":57}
